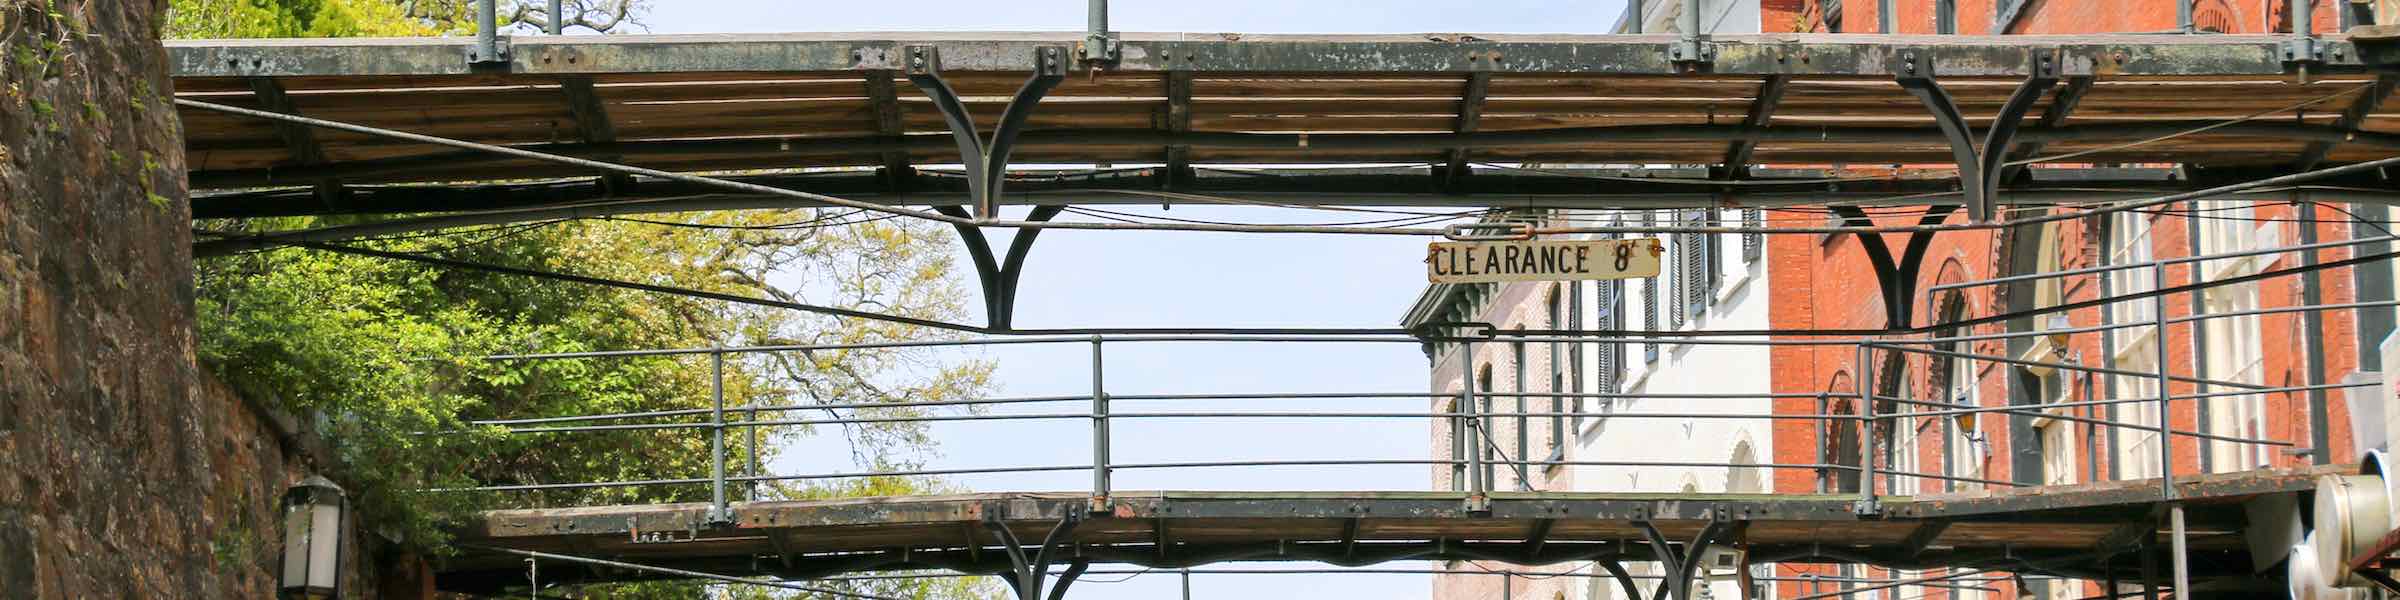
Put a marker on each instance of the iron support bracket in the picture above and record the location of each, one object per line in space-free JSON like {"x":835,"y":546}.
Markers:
{"x":499,"y":54}
{"x":997,"y":274}
{"x":2303,"y":50}
{"x":1478,"y":503}
{"x":1678,"y":566}
{"x":1691,"y":54}
{"x":1027,"y":571}
{"x":1100,"y":48}
{"x":1978,"y":164}
{"x":985,"y":159}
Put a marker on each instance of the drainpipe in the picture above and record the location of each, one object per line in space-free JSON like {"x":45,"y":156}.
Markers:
{"x":2312,"y":326}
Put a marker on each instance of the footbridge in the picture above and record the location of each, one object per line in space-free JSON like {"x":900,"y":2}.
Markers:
{"x":442,"y":133}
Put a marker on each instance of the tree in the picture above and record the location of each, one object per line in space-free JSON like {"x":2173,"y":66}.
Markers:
{"x":383,"y":354}
{"x":198,"y":19}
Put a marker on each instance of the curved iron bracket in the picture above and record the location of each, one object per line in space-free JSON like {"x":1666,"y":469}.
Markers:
{"x":998,"y":275}
{"x":986,"y":160}
{"x":1679,"y":565}
{"x":1977,"y":164}
{"x":1027,"y":572}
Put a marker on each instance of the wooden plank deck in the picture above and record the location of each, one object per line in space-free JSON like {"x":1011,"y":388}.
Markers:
{"x":732,"y":103}
{"x":2062,"y":526}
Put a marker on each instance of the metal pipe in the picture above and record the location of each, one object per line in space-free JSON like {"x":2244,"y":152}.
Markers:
{"x":558,"y":17}
{"x":716,"y":442}
{"x":679,"y":572}
{"x":2183,"y":567}
{"x":2320,"y":430}
{"x":1473,"y":422}
{"x":1095,"y":34}
{"x":2067,"y":366}
{"x":1100,"y":437}
{"x":2166,"y":261}
{"x":2306,"y":308}
{"x":1865,"y":382}
{"x":1143,"y":466}
{"x":2183,"y":16}
{"x":1679,"y":132}
{"x":1690,"y":19}
{"x":487,"y":31}
{"x":2024,"y":410}
{"x":2166,"y":437}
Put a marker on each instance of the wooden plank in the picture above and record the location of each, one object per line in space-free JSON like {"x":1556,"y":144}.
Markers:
{"x":1762,"y":111}
{"x":1470,"y":116}
{"x":298,"y":140}
{"x":884,"y":98}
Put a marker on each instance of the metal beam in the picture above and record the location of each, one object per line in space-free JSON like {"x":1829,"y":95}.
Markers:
{"x":1762,"y":111}
{"x":1470,"y":116}
{"x":1559,"y":188}
{"x":592,"y":124}
{"x":450,"y":166}
{"x":299,"y":140}
{"x":1921,"y":538}
{"x":1753,"y":54}
{"x":2366,"y":103}
{"x":883,"y":94}
{"x":2062,"y":105}
{"x":1179,"y":120}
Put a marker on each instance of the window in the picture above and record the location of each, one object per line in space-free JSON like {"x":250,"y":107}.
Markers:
{"x":1611,"y":357}
{"x":2128,"y":244}
{"x":2137,"y":441}
{"x":1699,"y":262}
{"x":1556,"y":441}
{"x":2234,"y":345}
{"x":2053,"y":439}
{"x":1650,"y":308}
{"x":1904,"y":456}
{"x":1754,"y":244}
{"x":1482,"y":432}
{"x":1516,"y":355}
{"x":2234,"y":354}
{"x":1964,"y":457}
{"x":1458,"y":446}
{"x":2057,"y":437}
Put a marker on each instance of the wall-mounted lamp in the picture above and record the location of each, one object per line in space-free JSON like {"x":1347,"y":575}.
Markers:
{"x":313,"y":515}
{"x":2054,"y":328}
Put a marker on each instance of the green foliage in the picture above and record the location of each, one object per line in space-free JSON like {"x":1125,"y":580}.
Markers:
{"x":383,"y":350}
{"x":294,"y":18}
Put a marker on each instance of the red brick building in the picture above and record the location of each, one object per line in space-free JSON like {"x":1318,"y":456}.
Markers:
{"x":1826,"y":282}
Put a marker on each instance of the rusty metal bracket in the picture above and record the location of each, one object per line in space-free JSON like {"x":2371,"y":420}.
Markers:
{"x":985,"y":159}
{"x":1679,"y":565}
{"x":1027,"y":572}
{"x":1977,"y":163}
{"x":999,"y":275}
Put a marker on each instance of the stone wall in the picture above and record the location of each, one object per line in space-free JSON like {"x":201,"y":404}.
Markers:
{"x":125,"y":472}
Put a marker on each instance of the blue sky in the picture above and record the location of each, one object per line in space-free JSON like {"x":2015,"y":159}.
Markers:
{"x":1093,"y":278}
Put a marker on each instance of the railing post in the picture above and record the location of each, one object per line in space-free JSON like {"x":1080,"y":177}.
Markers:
{"x":750,"y":425}
{"x":1097,"y":45}
{"x":1100,"y":437}
{"x":718,"y":513}
{"x":2166,"y":404}
{"x":487,"y":32}
{"x":558,"y":21}
{"x":1478,"y":498}
{"x":1866,"y":430}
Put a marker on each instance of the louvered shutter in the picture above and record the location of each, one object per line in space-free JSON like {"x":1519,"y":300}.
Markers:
{"x":1754,"y":244}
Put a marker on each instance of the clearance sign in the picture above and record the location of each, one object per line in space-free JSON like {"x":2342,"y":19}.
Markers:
{"x":1542,"y":260}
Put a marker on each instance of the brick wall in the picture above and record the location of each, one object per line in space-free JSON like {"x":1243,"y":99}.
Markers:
{"x":124,"y":471}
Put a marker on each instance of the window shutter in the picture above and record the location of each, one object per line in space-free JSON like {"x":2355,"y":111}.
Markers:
{"x":1754,"y":244}
{"x":1696,"y":271}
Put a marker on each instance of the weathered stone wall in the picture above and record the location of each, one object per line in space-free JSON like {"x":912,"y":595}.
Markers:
{"x":125,"y":472}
